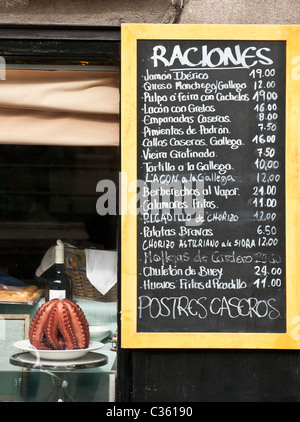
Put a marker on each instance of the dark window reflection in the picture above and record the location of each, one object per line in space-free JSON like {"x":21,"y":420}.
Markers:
{"x":49,"y":192}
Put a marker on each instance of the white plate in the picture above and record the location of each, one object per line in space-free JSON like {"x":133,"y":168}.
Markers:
{"x":99,"y":333}
{"x":57,"y":354}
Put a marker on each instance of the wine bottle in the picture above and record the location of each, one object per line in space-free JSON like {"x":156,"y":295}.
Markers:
{"x":59,"y":285}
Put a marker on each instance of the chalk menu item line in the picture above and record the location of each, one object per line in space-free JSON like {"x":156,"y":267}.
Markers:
{"x":208,"y":68}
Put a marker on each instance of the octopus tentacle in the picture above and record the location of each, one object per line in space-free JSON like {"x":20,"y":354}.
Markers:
{"x":67,"y":327}
{"x":38,"y":326}
{"x":52,"y":328}
{"x":59,"y":324}
{"x":80,"y":327}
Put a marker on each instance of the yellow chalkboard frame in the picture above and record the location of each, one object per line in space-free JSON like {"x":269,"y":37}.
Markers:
{"x":130,"y":338}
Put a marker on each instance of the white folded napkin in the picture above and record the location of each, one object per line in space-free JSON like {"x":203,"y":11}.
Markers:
{"x":49,"y":260}
{"x":101,"y":269}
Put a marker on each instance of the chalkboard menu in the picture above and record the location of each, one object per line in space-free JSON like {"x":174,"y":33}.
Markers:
{"x":211,"y":185}
{"x":211,"y":151}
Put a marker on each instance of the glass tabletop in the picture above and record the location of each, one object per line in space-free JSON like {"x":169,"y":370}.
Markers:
{"x":27,"y":360}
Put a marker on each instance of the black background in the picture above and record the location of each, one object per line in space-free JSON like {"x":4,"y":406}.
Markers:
{"x":243,"y":125}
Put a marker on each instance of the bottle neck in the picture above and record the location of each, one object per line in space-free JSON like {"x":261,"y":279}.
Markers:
{"x":59,"y":267}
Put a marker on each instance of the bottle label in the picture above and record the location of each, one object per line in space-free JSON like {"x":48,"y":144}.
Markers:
{"x":57,"y":294}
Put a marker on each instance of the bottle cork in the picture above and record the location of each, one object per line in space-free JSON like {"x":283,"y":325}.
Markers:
{"x":59,"y":252}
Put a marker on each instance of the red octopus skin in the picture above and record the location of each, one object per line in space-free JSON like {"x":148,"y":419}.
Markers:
{"x":59,"y":324}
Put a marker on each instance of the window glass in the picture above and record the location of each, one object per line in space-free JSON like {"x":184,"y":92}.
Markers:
{"x":48,"y":191}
